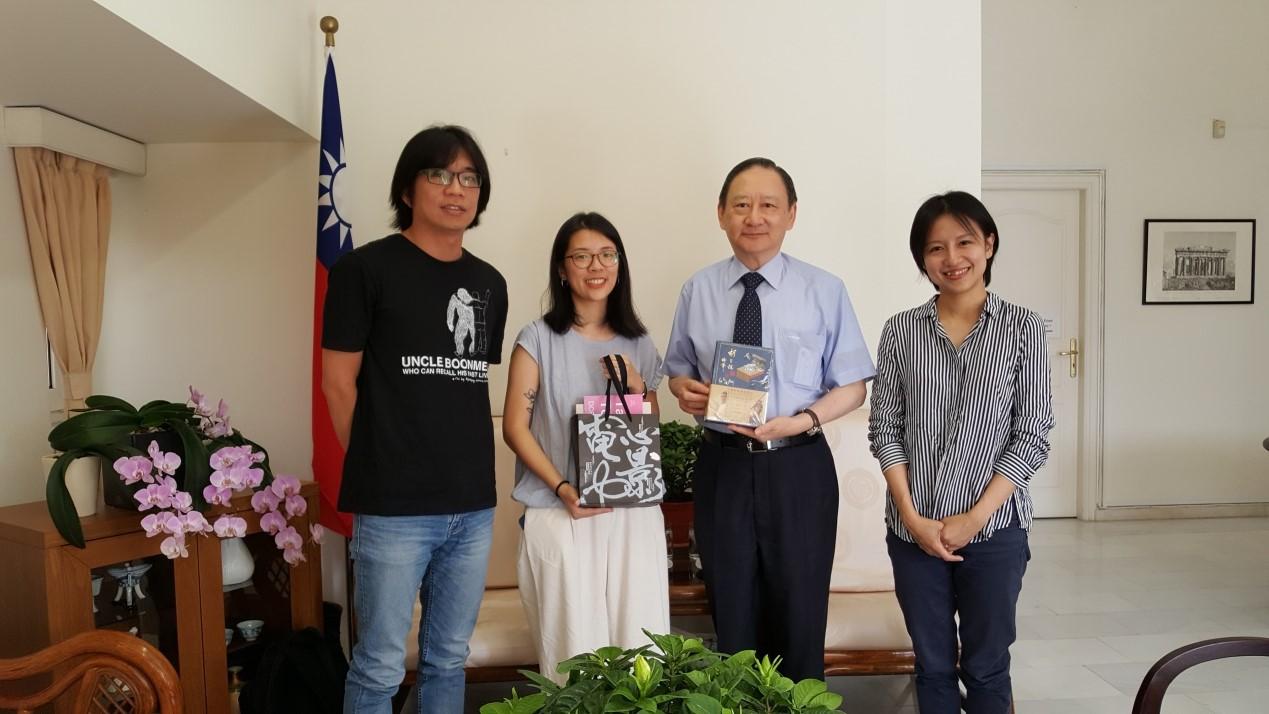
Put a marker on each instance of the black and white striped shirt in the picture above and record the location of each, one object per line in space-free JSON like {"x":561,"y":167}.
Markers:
{"x":958,"y":417}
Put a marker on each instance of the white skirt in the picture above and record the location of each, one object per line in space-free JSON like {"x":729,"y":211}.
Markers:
{"x":592,"y":582}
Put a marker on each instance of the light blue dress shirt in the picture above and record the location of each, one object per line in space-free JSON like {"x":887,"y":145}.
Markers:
{"x":806,"y":317}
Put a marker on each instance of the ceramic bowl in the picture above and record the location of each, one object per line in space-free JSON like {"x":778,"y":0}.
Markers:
{"x":250,"y":629}
{"x":229,"y":635}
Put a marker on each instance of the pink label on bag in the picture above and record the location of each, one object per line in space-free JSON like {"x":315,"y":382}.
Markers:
{"x":594,"y":404}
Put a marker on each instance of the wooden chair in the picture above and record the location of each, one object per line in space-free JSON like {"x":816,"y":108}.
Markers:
{"x":1155,"y":684}
{"x":109,"y":672}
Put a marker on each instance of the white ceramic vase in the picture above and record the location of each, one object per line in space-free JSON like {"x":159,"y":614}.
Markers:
{"x":236,"y":565}
{"x":83,"y":480}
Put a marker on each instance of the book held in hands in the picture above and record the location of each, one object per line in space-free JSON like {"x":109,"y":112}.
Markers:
{"x":740,"y":384}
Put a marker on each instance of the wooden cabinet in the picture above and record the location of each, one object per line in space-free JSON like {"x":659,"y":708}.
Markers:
{"x":181,"y":606}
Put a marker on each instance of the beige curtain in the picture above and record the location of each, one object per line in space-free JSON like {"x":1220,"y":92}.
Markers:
{"x":66,"y":204}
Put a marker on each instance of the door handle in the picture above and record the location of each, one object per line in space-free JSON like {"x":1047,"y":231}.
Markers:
{"x":1073,"y":354}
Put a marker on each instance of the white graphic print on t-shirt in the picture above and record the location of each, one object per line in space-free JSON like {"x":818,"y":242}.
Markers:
{"x":465,"y":317}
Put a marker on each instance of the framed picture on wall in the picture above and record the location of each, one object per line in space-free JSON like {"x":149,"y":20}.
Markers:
{"x":1200,"y":261}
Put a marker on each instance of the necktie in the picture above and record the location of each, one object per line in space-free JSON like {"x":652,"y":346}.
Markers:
{"x":748,"y":330}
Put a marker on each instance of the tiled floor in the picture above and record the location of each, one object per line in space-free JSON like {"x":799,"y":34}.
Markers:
{"x":1100,"y":603}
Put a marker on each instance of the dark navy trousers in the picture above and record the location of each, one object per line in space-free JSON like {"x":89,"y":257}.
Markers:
{"x":983,"y":590}
{"x":766,"y":527}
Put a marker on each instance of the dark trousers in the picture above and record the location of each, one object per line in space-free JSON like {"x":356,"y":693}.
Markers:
{"x":766,"y":526}
{"x":983,"y":589}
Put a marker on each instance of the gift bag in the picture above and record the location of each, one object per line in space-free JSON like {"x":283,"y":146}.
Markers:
{"x":618,"y":454}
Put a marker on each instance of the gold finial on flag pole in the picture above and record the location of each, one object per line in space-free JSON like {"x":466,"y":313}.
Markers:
{"x":330,"y":26}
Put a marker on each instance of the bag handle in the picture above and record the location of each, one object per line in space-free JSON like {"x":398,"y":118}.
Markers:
{"x":618,"y":368}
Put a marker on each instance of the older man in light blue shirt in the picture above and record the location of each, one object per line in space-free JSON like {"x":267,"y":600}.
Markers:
{"x":766,"y":497}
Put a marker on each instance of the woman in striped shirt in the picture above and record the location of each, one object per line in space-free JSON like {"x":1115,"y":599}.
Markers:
{"x":960,"y":415}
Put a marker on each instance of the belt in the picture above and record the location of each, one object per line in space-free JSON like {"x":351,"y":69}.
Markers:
{"x":740,"y":441}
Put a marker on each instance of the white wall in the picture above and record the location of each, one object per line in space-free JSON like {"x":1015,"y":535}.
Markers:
{"x":25,"y":399}
{"x":269,"y":51}
{"x":638,"y":110}
{"x":210,"y":283}
{"x":1132,"y":87}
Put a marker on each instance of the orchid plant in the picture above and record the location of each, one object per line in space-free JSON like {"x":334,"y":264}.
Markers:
{"x":236,"y":464}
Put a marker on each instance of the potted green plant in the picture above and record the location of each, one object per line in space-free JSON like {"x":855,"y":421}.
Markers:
{"x":678,"y":676}
{"x":188,"y":437}
{"x":680,"y":445}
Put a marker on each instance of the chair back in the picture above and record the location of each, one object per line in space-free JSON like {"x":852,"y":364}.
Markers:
{"x":104,"y":671}
{"x":1156,"y":681}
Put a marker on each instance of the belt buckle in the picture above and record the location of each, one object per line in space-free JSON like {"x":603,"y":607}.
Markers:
{"x":753,"y":445}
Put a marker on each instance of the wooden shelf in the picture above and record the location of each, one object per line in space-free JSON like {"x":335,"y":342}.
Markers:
{"x":47,"y":596}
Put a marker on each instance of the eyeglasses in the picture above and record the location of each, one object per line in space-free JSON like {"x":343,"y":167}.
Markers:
{"x":607,"y":258}
{"x":444,"y":177}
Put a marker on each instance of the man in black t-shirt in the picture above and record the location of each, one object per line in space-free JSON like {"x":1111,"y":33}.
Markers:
{"x":412,"y":323}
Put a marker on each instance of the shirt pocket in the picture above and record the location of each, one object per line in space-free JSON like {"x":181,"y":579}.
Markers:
{"x":802,"y":354}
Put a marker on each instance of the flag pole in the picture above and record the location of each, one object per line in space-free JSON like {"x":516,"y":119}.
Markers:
{"x":330,"y":26}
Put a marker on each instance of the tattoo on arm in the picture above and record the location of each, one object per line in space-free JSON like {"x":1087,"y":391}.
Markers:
{"x":532,"y":396}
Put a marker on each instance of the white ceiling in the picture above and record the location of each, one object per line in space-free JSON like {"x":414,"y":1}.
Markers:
{"x":78,"y":59}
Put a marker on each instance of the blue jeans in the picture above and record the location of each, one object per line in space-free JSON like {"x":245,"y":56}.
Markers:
{"x":441,"y":560}
{"x":983,"y":590}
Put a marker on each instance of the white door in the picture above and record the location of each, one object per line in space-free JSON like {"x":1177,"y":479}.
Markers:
{"x":1038,"y":267}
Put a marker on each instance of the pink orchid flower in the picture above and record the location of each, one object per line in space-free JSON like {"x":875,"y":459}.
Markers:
{"x":152,"y":496}
{"x":198,"y":402}
{"x":254,"y":477}
{"x":133,"y":469}
{"x":285,"y":486}
{"x":217,"y":496}
{"x":224,"y":458}
{"x":151,"y":525}
{"x":183,"y":502}
{"x":219,"y":428}
{"x":228,"y":526}
{"x":296,"y":506}
{"x":161,"y":522}
{"x":174,"y":547}
{"x":195,"y":522}
{"x":293,"y":556}
{"x":317,"y":531}
{"x":167,"y":462}
{"x":273,"y":522}
{"x":288,"y":537}
{"x":265,"y":501}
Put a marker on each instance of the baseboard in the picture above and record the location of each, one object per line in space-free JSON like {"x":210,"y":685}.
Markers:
{"x":1195,"y":510}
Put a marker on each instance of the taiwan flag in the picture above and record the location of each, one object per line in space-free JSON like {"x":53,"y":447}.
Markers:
{"x":334,"y":238}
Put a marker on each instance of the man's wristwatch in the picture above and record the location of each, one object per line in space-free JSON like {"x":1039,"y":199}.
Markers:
{"x":815,"y":421}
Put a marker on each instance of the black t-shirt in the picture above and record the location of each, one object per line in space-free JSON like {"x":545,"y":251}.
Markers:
{"x":422,"y":432}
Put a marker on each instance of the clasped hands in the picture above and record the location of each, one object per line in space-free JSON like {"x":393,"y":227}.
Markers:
{"x":942,"y":538}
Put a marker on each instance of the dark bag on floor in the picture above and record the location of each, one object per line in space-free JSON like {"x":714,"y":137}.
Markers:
{"x":303,"y":672}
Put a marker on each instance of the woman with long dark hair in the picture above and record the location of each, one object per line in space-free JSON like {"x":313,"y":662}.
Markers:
{"x":589,"y":577}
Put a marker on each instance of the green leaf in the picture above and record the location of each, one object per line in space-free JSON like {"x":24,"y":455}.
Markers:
{"x":197,"y":468}
{"x":806,"y":690}
{"x":92,"y":429}
{"x":698,"y":703}
{"x":529,"y":704}
{"x":542,"y":683}
{"x":829,"y":701}
{"x":101,"y":401}
{"x":60,"y":507}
